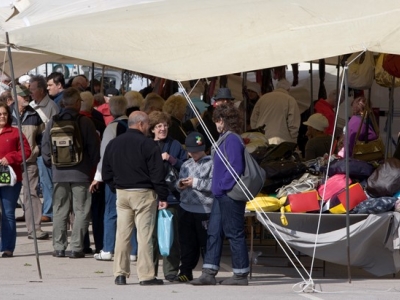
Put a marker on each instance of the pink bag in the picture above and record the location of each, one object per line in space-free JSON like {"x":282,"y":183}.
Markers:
{"x":332,"y":186}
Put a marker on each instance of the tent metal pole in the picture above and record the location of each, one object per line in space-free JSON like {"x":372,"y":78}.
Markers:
{"x":337,"y":82}
{"x":244,"y":84}
{"x":92,"y":82}
{"x":346,"y":69}
{"x":311,"y":89}
{"x":25,"y":174}
{"x":389,"y":121}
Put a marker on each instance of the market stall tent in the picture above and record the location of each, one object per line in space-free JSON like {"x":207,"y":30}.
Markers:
{"x":190,"y":39}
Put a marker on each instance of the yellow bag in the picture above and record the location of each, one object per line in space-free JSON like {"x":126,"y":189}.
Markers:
{"x":382,"y":77}
{"x":265,"y":203}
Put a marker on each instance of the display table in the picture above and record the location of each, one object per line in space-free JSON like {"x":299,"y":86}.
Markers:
{"x":374,"y":239}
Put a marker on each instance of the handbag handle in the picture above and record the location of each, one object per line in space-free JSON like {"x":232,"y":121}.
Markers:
{"x":368,"y":114}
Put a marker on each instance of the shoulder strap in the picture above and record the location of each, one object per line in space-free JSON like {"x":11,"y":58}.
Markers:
{"x":169,"y":146}
{"x":370,"y":116}
{"x":219,"y":142}
{"x":122,"y":126}
{"x":183,"y":131}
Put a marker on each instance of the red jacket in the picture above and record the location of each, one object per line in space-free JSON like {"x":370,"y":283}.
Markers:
{"x":105,"y":110}
{"x":11,"y":149}
{"x":323,"y":107}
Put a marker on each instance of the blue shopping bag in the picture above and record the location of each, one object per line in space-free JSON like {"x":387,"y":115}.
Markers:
{"x":165,"y":232}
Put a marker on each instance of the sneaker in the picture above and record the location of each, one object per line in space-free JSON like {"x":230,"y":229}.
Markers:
{"x":103,"y":255}
{"x":184,"y":278}
{"x":133,"y":258}
{"x":40,"y":235}
{"x":171,"y":277}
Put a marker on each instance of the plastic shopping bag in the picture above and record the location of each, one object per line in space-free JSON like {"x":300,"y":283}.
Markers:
{"x":165,"y":232}
{"x":7,"y":176}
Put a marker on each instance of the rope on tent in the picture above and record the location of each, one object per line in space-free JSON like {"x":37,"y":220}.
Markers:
{"x":326,"y":178}
{"x":329,"y":161}
{"x":306,"y":284}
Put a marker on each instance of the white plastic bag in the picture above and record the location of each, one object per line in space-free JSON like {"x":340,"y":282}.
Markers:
{"x":165,"y":232}
{"x":361,"y":71}
{"x":7,"y":176}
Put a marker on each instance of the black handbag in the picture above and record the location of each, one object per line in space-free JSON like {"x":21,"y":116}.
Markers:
{"x":171,"y":176}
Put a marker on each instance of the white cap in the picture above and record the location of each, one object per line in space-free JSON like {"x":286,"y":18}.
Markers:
{"x":23,"y":79}
{"x":317,"y":121}
{"x":254,"y":86}
{"x":283,"y":84}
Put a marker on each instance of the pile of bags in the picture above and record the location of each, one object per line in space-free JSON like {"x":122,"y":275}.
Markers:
{"x":371,"y":190}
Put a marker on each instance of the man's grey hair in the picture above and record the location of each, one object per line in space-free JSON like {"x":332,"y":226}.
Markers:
{"x":332,"y":97}
{"x":71,"y":96}
{"x":40,"y":82}
{"x":118,"y":105}
{"x":136,"y":117}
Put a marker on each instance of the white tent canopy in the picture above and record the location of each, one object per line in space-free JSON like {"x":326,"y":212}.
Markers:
{"x":189,"y":39}
{"x":23,"y":61}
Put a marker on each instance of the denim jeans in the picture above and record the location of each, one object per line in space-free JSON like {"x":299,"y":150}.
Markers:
{"x":9,"y":198}
{"x":45,"y":175}
{"x":110,"y":224}
{"x":227,"y":219}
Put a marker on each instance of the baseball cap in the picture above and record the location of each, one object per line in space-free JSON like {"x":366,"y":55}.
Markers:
{"x":195,"y":142}
{"x":317,"y":121}
{"x":22,"y":90}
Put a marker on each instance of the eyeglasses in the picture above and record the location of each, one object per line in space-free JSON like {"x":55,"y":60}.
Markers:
{"x":3,"y":114}
{"x":160,"y":126}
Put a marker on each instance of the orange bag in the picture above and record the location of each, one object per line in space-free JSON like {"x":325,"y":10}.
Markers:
{"x":391,"y":64}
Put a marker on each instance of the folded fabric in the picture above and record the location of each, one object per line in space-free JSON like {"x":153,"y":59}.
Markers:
{"x":375,"y":205}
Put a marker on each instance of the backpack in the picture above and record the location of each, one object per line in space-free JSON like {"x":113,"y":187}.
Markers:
{"x":66,"y":141}
{"x":253,"y":176}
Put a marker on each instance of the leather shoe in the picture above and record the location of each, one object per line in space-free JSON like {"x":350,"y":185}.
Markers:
{"x":77,"y":254}
{"x":45,"y":219}
{"x":120,"y":280}
{"x":153,"y":281}
{"x":59,"y":253}
{"x":20,"y":219}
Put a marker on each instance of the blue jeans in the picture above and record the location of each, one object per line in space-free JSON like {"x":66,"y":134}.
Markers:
{"x":110,"y":224}
{"x":45,"y":175}
{"x":227,"y":219}
{"x":9,"y":198}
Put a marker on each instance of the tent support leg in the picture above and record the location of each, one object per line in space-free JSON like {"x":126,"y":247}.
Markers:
{"x":25,"y":174}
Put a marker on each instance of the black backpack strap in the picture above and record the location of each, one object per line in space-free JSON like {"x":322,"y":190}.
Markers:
{"x":122,"y":126}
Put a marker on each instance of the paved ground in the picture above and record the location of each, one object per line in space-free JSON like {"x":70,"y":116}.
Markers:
{"x":273,"y":278}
